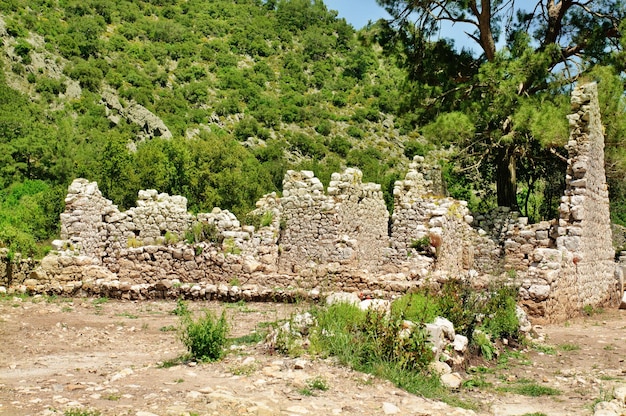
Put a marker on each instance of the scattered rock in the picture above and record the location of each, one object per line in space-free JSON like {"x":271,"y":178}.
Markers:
{"x":390,"y":408}
{"x":452,"y":381}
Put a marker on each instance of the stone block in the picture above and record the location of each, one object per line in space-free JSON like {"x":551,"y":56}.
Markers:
{"x":539,"y":292}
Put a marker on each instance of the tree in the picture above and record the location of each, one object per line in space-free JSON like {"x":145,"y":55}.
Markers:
{"x":548,"y":47}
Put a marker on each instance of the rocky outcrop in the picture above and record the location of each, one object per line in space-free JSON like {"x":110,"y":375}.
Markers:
{"x":151,"y":125}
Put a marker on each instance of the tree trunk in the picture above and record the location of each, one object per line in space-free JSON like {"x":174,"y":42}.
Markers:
{"x":506,"y":180}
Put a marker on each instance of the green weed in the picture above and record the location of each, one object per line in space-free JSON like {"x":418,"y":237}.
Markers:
{"x":81,"y":412}
{"x":205,"y":338}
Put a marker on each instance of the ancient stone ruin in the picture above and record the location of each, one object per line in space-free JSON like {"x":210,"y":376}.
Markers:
{"x":311,"y":241}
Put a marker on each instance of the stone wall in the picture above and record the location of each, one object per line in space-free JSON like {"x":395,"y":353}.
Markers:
{"x":14,"y":269}
{"x":584,"y":232}
{"x":312,"y":240}
{"x":344,"y":229}
{"x":421,"y":215}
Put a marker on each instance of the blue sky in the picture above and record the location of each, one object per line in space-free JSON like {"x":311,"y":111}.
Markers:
{"x":358,"y":12}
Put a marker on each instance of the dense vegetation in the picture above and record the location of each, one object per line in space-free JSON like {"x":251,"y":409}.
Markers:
{"x":394,"y":343}
{"x":248,"y":89}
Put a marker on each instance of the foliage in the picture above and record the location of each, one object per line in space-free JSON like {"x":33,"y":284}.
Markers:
{"x":309,"y":90}
{"x":530,"y":388}
{"x":368,"y":341}
{"x":201,"y":232}
{"x":504,"y":106}
{"x":205,"y":338}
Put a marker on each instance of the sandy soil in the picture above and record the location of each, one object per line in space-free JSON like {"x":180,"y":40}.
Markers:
{"x":116,"y":358}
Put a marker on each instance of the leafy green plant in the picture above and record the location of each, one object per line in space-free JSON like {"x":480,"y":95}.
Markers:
{"x":421,"y":244}
{"x":314,"y":384}
{"x":205,"y":338}
{"x":484,"y":345}
{"x":416,"y":307}
{"x":181,"y":308}
{"x":230,"y":247}
{"x":202,"y":232}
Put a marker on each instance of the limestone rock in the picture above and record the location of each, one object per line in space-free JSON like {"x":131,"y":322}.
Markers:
{"x":452,"y":381}
{"x":342,"y":297}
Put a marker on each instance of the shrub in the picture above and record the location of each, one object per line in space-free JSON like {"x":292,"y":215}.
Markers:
{"x":340,"y":145}
{"x":201,"y":232}
{"x":500,"y":312}
{"x":259,"y":221}
{"x":355,"y":132}
{"x":420,"y":244}
{"x":205,"y":338}
{"x":324,"y":128}
{"x":416,"y":307}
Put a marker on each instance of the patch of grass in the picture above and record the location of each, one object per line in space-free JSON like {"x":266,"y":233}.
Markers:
{"x":173,"y":362}
{"x":100,"y":301}
{"x":546,"y":349}
{"x":168,"y":328}
{"x":569,"y":347}
{"x":609,"y":347}
{"x":179,"y":380}
{"x":530,"y":388}
{"x":81,"y":412}
{"x":243,"y":369}
{"x":589,"y":310}
{"x":67,"y":309}
{"x":127,"y":315}
{"x":504,"y":360}
{"x":313,"y":385}
{"x":480,"y":370}
{"x":535,"y":414}
{"x":113,"y":397}
{"x":252,"y":338}
{"x":240,"y":305}
{"x":478,"y":382}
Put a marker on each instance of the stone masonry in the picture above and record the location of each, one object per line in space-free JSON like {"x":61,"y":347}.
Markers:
{"x":311,"y":241}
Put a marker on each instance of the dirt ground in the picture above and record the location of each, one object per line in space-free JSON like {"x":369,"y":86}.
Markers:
{"x":61,"y":356}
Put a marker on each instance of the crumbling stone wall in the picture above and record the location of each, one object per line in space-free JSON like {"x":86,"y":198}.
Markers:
{"x":310,"y":240}
{"x":422,"y":215}
{"x":584,"y":232}
{"x":347,"y":227}
{"x":14,"y":269}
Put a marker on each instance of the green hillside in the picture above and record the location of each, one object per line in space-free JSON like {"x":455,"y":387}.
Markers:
{"x":246,"y":90}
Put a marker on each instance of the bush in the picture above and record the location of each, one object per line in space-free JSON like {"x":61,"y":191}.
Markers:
{"x":416,"y":307}
{"x":201,"y":232}
{"x":205,"y":338}
{"x":340,"y":145}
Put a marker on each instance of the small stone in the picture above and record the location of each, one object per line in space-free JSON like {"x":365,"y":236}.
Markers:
{"x":194,"y":394}
{"x":452,"y":381}
{"x":390,"y":409}
{"x":620,"y":394}
{"x":298,"y":409}
{"x":460,"y":343}
{"x":299,"y":364}
{"x":440,"y":367}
